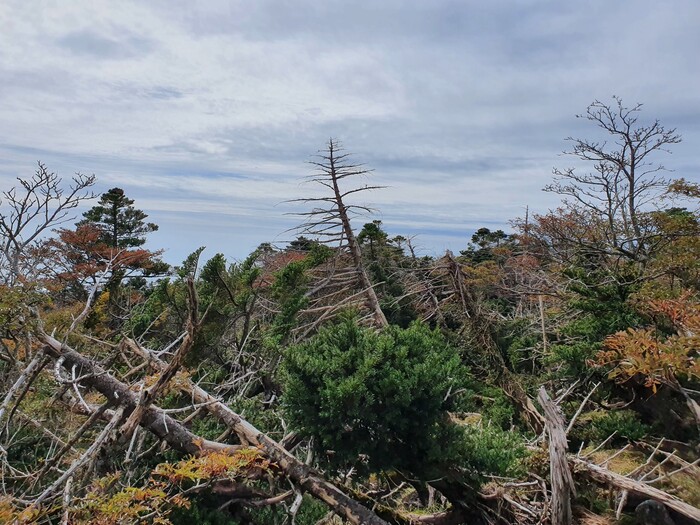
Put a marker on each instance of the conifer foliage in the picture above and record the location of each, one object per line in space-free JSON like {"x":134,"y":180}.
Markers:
{"x":122,"y":225}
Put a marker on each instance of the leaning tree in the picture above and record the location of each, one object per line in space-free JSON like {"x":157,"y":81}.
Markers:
{"x":343,"y":280}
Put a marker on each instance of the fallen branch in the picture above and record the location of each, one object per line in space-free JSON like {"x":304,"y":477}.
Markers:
{"x":118,"y":394}
{"x":299,"y":473}
{"x":84,"y":458}
{"x":25,"y":378}
{"x":149,"y":395}
{"x":619,"y":481}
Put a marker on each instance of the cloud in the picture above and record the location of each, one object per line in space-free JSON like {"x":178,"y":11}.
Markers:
{"x":97,"y":46}
{"x":210,"y":110}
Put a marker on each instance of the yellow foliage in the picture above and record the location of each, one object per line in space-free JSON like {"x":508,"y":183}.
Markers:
{"x":129,"y":505}
{"x":9,"y":513}
{"x":216,"y":465}
{"x":102,"y":505}
{"x":180,"y":379}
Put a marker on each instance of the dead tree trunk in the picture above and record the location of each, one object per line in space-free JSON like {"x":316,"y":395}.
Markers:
{"x":300,"y":473}
{"x":177,"y":436}
{"x":330,"y":222}
{"x":603,"y":475}
{"x":564,"y":480}
{"x":561,"y":479}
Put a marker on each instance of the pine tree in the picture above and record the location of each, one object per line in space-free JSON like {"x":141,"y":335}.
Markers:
{"x":123,"y":226}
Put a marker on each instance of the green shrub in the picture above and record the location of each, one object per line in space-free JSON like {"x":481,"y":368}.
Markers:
{"x":491,"y":403}
{"x":490,"y":450}
{"x":597,"y":425}
{"x":378,"y":401}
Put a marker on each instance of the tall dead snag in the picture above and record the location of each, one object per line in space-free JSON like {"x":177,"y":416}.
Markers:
{"x":329,"y":222}
{"x":561,"y":479}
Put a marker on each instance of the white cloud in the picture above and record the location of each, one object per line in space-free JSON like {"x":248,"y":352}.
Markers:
{"x":212,"y":108}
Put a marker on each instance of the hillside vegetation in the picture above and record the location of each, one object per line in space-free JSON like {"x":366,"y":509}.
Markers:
{"x":547,"y":375}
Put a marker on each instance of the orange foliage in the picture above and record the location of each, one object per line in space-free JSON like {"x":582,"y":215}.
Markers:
{"x":647,"y":354}
{"x":81,"y":254}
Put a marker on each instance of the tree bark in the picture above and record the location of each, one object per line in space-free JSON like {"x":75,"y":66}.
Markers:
{"x":608,"y":477}
{"x":148,"y":396}
{"x":561,"y":479}
{"x":118,"y":394}
{"x":353,"y":245}
{"x":27,"y":375}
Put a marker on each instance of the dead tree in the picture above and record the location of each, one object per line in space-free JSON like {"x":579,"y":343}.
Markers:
{"x":624,"y":180}
{"x":308,"y":479}
{"x":346,"y":279}
{"x":563,"y":467}
{"x":560,"y":474}
{"x":38,"y":205}
{"x":126,"y":411}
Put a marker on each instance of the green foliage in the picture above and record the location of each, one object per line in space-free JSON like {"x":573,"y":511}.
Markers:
{"x":208,"y":428}
{"x":373,"y":236}
{"x":602,"y":303}
{"x":290,"y":285}
{"x":190,"y":264}
{"x":15,"y":304}
{"x":202,"y":511}
{"x":491,"y":403}
{"x":311,"y":512}
{"x":122,"y":225}
{"x":594,"y":427}
{"x":379,"y":398}
{"x":288,"y":289}
{"x":484,"y":245}
{"x":490,"y":450}
{"x":384,"y":259}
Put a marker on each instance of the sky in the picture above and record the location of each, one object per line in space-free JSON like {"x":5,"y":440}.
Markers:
{"x":207,"y":113}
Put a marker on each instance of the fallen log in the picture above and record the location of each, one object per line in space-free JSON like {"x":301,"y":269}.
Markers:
{"x":301,"y":474}
{"x":118,"y":394}
{"x":176,"y":435}
{"x":603,"y":475}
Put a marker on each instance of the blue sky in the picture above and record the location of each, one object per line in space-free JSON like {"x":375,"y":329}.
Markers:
{"x":206,"y":112}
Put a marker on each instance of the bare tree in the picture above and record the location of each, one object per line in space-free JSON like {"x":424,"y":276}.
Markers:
{"x":29,"y":210}
{"x":625,"y":179}
{"x":329,"y":221}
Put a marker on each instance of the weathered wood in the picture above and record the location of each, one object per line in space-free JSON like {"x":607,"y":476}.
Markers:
{"x":24,"y":379}
{"x":177,"y":436}
{"x":119,"y":395}
{"x":333,"y":223}
{"x":619,"y":481}
{"x":303,"y":475}
{"x":82,"y":460}
{"x":149,"y":395}
{"x":561,"y":478}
